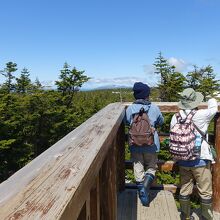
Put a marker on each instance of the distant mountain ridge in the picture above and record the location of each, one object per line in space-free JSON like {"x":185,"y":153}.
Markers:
{"x":48,"y":85}
{"x":107,"y":87}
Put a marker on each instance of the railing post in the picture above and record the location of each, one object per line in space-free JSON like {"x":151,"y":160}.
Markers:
{"x":120,"y":157}
{"x":85,"y":211}
{"x":95,"y":201}
{"x":216,"y":169}
{"x":108,"y":188}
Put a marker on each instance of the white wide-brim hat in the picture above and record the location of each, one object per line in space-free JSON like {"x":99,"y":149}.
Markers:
{"x":190,"y":99}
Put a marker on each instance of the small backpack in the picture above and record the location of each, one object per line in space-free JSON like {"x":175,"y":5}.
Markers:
{"x":141,"y":133}
{"x":182,"y":138}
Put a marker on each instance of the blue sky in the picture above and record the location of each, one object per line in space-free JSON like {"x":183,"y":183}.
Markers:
{"x":114,"y":41}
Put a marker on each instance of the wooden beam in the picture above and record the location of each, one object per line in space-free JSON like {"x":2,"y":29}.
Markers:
{"x":216,"y":170}
{"x":82,"y":215}
{"x":95,"y":201}
{"x":120,"y":157}
{"x":169,"y":187}
{"x":172,"y":106}
{"x":162,"y":165}
{"x":108,"y":189}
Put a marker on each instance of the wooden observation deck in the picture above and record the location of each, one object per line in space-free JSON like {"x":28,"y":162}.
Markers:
{"x":82,"y":177}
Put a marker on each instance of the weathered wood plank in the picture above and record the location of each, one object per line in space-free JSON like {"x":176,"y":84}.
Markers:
{"x":216,"y":170}
{"x":129,"y":208}
{"x":82,"y":215}
{"x":172,"y":106}
{"x":120,"y":157}
{"x":162,"y":206}
{"x":95,"y":201}
{"x":56,"y":184}
{"x":168,"y":187}
{"x":162,"y":165}
{"x":108,"y":189}
{"x":85,"y":211}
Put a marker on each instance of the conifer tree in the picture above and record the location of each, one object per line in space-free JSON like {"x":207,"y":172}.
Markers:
{"x":208,"y":84}
{"x":24,"y":82}
{"x":171,"y":82}
{"x":193,"y":78}
{"x":70,"y":81}
{"x":11,"y":67}
{"x":37,"y":86}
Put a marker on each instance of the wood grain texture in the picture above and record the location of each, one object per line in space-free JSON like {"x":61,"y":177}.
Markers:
{"x":162,"y":165}
{"x":57,"y":183}
{"x":120,"y":158}
{"x":95,"y":201}
{"x":172,"y":106}
{"x":216,"y":167}
{"x":108,"y":188}
{"x":162,"y":206}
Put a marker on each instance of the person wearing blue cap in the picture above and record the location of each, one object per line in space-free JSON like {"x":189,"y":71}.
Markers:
{"x":144,"y":155}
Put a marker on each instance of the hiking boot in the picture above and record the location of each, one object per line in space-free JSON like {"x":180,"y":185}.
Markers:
{"x":185,"y":207}
{"x":190,"y":218}
{"x":142,"y":194}
{"x":184,"y":218}
{"x":148,"y":180}
{"x":206,"y":209}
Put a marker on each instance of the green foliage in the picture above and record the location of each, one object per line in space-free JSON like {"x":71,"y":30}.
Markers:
{"x":171,"y":82}
{"x":32,"y":122}
{"x":193,"y":78}
{"x":164,"y":153}
{"x":203,"y":80}
{"x":70,"y":82}
{"x":23,"y":84}
{"x":8,"y":71}
{"x":167,"y":177}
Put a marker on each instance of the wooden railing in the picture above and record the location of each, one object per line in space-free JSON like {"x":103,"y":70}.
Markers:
{"x":79,"y":176}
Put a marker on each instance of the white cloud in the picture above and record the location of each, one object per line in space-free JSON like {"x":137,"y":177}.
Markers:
{"x":115,"y":82}
{"x":180,"y":64}
{"x":127,"y":81}
{"x":149,"y":69}
{"x":152,"y":77}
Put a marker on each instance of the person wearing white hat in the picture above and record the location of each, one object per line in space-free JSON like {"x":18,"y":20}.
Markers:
{"x":198,"y":169}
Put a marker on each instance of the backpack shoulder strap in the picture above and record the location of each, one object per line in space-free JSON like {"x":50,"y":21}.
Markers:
{"x":142,"y":110}
{"x":190,"y":115}
{"x":178,"y":117}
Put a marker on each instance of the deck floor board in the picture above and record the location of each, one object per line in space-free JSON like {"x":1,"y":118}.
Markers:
{"x":162,"y":207}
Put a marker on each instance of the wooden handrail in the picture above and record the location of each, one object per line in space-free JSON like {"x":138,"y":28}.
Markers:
{"x":79,"y":176}
{"x":72,"y":175}
{"x":162,"y":165}
{"x":172,"y":106}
